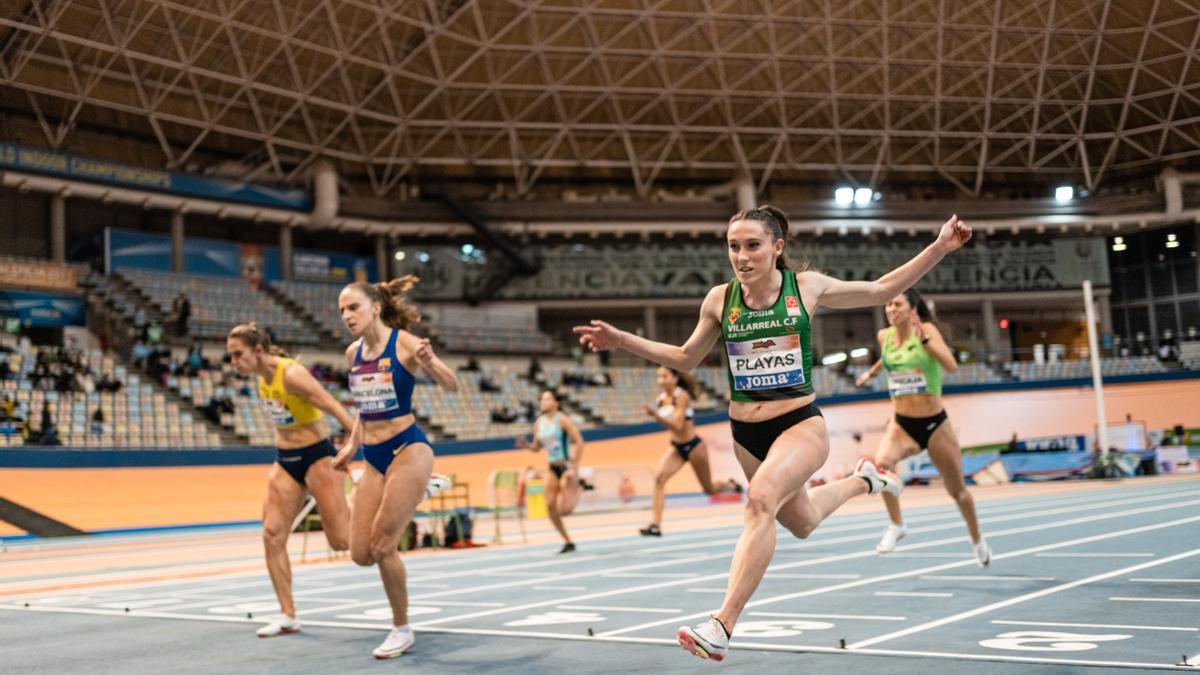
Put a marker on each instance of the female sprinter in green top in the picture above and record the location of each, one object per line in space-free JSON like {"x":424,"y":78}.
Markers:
{"x":914,"y":355}
{"x":763,"y":317}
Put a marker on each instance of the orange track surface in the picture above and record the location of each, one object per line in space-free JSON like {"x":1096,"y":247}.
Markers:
{"x":93,"y":499}
{"x":119,"y":498}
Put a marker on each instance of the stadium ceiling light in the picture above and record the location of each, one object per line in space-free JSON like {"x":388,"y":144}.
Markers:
{"x":468,"y":249}
{"x":863,"y":196}
{"x":1064,"y":194}
{"x":399,"y":255}
{"x":1172,"y":241}
{"x":859,"y":352}
{"x":843,"y":196}
{"x":1119,"y":244}
{"x":839,"y":357}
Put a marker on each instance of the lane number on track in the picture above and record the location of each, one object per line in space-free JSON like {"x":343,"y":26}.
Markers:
{"x":777,"y":629}
{"x":1049,"y":641}
{"x":551,"y":618}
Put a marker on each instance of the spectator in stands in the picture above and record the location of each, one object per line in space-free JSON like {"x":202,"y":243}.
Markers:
{"x":218,"y":403}
{"x":503,"y":415}
{"x":182,"y":311}
{"x":98,"y":420}
{"x":7,"y":408}
{"x":140,"y":354}
{"x":154,"y":333}
{"x":486,"y":384}
{"x":531,"y":411}
{"x":535,"y":370}
{"x":472,"y":365}
{"x":1012,"y":444}
{"x":108,"y":383}
{"x":47,"y":420}
{"x":32,"y":436}
{"x":50,"y":435}
{"x":5,"y":372}
{"x":195,"y":359}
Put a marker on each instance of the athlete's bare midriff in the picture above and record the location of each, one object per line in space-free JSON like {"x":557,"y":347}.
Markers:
{"x":760,"y":411}
{"x":378,"y":431}
{"x":301,"y":435}
{"x":918,"y":405}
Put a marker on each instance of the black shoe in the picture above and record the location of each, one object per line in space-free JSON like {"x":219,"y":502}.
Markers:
{"x":567,"y":548}
{"x":586,"y":485}
{"x":651,"y":530}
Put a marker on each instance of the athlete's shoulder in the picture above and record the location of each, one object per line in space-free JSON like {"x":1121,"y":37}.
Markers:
{"x":353,"y":349}
{"x":881,"y":335}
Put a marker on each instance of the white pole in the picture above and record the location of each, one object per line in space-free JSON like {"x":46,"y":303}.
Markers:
{"x":1097,"y":382}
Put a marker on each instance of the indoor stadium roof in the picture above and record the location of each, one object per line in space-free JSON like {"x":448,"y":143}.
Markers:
{"x":977,"y":93}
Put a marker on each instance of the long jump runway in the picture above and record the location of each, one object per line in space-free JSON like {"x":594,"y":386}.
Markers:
{"x":1105,"y":577}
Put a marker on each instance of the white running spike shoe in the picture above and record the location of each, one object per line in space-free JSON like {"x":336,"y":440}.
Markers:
{"x":284,"y":625}
{"x":708,"y":640}
{"x":891,"y":535}
{"x":878,"y":481}
{"x":399,"y":640}
{"x":983,"y":552}
{"x":437,"y":483}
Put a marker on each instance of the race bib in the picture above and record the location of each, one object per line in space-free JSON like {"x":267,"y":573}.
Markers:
{"x":906,"y":383}
{"x":373,"y":390}
{"x":768,"y":363}
{"x":279,"y":413}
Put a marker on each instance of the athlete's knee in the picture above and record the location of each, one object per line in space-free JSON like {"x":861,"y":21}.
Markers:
{"x":361,"y":555}
{"x":960,"y":494}
{"x":274,"y":536}
{"x":761,"y":504}
{"x":382,"y":546}
{"x":660,"y":481}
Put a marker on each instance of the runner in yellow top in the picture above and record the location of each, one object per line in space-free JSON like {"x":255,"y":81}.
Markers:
{"x":304,"y":459}
{"x":914,"y":355}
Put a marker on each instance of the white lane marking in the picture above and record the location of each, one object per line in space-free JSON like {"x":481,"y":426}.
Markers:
{"x":805,"y":563}
{"x":477,"y":556}
{"x":1122,"y":599}
{"x":610,"y":608}
{"x":794,"y":575}
{"x":982,"y":577}
{"x":857,"y":617}
{"x":912,"y":594}
{"x":384,"y":626}
{"x":555,"y":588}
{"x":547,"y":576}
{"x":706,"y":590}
{"x":1166,"y":581}
{"x":946,"y":566}
{"x":1094,"y":555}
{"x":1057,"y":624}
{"x":922,"y":554}
{"x":650,"y":575}
{"x":1032,"y":596}
{"x":452,"y":603}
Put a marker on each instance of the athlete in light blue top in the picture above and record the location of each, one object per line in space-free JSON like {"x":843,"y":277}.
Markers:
{"x":559,"y":436}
